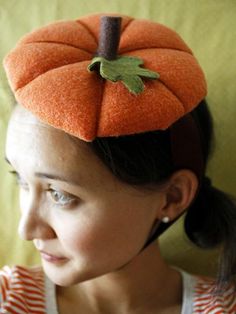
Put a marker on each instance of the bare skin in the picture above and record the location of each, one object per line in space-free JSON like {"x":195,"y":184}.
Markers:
{"x":146,"y":285}
{"x":97,"y":226}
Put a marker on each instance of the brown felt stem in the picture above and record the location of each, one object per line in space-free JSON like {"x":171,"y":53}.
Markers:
{"x":109,"y":37}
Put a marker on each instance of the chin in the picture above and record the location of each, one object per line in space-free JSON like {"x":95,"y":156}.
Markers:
{"x":66,"y":275}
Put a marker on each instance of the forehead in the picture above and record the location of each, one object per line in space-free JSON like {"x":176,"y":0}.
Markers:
{"x":33,"y":141}
{"x":33,"y":146}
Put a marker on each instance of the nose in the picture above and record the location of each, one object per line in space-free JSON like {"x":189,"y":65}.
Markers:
{"x":32,"y":224}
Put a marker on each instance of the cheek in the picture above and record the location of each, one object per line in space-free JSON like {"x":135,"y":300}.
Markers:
{"x":119,"y":235}
{"x":80,"y":237}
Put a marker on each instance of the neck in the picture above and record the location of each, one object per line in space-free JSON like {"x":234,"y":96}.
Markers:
{"x":140,"y":285}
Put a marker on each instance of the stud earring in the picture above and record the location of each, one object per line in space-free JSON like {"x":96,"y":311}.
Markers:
{"x":165,"y":219}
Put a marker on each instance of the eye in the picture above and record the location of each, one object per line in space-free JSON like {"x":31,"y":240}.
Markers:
{"x":61,"y":198}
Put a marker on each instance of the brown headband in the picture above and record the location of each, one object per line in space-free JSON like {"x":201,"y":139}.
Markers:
{"x":186,"y":146}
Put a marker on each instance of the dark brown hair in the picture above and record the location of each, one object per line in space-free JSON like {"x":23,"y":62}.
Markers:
{"x":145,"y":160}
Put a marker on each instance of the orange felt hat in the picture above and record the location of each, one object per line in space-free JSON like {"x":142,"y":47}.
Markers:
{"x":48,"y":73}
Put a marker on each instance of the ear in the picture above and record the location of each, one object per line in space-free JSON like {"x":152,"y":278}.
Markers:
{"x":179,"y":194}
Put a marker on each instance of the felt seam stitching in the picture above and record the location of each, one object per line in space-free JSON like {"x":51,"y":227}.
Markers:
{"x":100,"y":109}
{"x":183,"y":105}
{"x":47,"y":72}
{"x":57,"y":43}
{"x":127,"y":25}
{"x":88,"y":30}
{"x":159,"y":48}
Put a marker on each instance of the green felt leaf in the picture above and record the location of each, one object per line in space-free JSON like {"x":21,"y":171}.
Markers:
{"x":126,"y":69}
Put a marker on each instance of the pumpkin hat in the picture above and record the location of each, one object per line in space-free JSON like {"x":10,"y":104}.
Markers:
{"x":109,"y":76}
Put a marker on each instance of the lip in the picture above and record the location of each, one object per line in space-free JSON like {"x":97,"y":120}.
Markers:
{"x":52,"y":258}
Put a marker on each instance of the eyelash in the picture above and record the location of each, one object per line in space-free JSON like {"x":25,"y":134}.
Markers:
{"x":51,"y":191}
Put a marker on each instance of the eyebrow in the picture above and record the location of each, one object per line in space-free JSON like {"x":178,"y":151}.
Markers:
{"x":50,"y":176}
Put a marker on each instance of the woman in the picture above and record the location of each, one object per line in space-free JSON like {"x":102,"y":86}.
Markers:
{"x":107,"y":159}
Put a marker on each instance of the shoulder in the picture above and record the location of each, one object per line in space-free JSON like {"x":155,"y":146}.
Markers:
{"x":206,"y":298}
{"x":22,"y":290}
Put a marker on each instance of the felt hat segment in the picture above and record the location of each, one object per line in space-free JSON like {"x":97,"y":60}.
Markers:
{"x":69,"y":33}
{"x":131,"y":114}
{"x":76,"y":109}
{"x":143,"y":34}
{"x":179,"y":72}
{"x":36,"y":59}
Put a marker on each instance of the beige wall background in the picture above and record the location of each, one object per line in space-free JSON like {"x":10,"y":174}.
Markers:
{"x":208,"y":27}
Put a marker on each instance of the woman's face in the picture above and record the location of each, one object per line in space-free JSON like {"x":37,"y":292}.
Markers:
{"x":89,"y":221}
